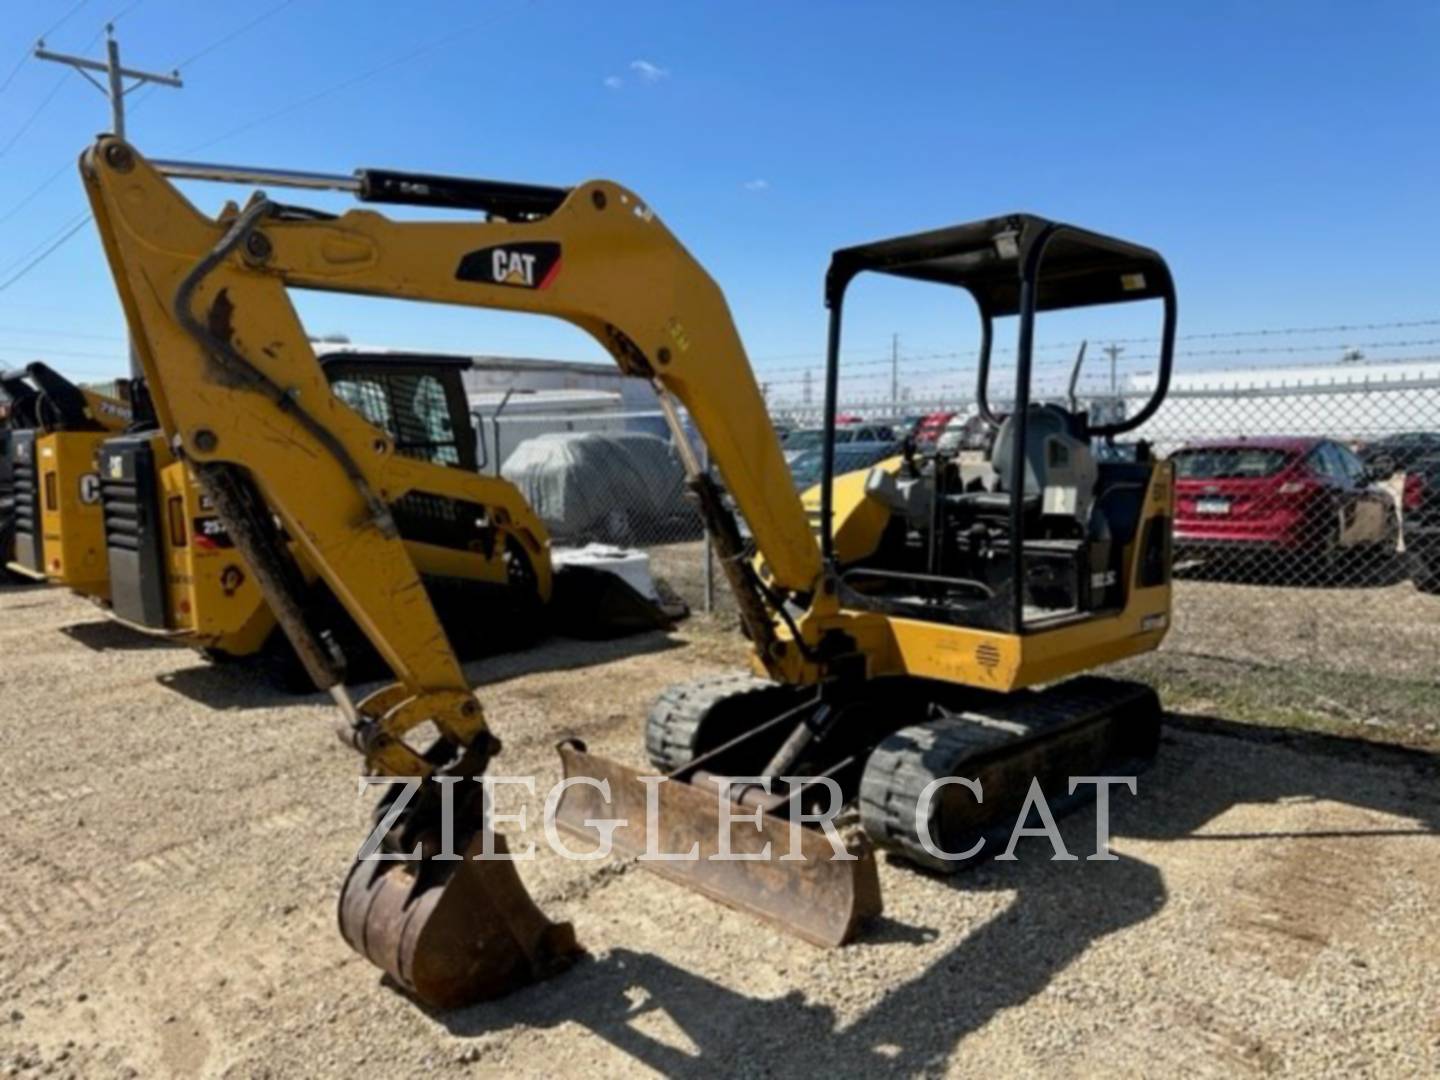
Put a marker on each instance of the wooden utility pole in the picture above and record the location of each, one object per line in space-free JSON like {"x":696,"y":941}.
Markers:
{"x":115,"y":89}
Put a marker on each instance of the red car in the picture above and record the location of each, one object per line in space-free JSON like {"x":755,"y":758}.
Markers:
{"x":1308,"y":497}
{"x":930,"y":428}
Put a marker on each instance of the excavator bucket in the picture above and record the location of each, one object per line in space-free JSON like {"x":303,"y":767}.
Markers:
{"x":790,"y":875}
{"x":452,"y":932}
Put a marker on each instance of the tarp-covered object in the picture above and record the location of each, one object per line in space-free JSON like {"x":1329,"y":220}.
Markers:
{"x":615,"y":486}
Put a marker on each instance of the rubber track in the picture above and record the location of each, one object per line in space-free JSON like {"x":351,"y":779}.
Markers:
{"x":904,"y":763}
{"x":672,"y":729}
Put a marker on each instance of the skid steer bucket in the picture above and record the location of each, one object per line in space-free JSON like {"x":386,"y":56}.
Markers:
{"x":452,"y":932}
{"x":788,"y":874}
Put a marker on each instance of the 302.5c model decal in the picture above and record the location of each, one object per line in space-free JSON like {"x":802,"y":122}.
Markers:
{"x":528,"y":265}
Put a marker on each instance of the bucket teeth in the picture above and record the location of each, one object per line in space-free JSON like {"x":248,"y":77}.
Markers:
{"x":452,"y":932}
{"x":809,"y":892}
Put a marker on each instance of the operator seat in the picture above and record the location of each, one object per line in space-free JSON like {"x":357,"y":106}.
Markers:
{"x":1060,"y":470}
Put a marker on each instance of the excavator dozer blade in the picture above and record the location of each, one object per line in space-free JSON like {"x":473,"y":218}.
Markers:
{"x":452,"y":933}
{"x":809,"y":893}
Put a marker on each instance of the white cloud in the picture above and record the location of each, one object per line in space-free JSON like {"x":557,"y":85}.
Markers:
{"x":757,"y":184}
{"x":614,"y":82}
{"x":649,"y":72}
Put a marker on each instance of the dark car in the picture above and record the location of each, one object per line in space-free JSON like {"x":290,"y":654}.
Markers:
{"x":1309,"y":499}
{"x":849,"y":457}
{"x":1396,"y":453}
{"x":810,"y":440}
{"x":1420,"y":504}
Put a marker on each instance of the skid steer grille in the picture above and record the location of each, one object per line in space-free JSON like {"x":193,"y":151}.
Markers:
{"x":130,"y":502}
{"x":120,"y":501}
{"x":25,"y":479}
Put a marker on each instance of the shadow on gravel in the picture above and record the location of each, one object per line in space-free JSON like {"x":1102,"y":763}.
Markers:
{"x":105,"y":635}
{"x":1060,"y":909}
{"x":231,"y":685}
{"x":567,"y":654}
{"x":243,"y":684}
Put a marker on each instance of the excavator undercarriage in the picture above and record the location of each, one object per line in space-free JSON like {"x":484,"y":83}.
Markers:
{"x":924,"y":623}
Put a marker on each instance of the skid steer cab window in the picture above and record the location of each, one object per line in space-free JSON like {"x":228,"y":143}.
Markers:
{"x":418,"y":409}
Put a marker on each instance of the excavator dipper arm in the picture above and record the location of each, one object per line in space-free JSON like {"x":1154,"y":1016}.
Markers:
{"x":238,"y":390}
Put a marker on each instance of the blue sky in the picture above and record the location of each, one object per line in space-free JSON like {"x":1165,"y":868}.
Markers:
{"x":1282,"y":155}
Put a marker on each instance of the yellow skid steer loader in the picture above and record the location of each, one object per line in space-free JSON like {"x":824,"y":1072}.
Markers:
{"x":59,"y":533}
{"x":482,"y":552}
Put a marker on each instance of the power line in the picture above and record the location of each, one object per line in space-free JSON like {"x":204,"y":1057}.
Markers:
{"x":67,"y":165}
{"x":28,"y":332}
{"x":233,"y":34}
{"x":46,"y":253}
{"x":345,"y":84}
{"x":1287,"y":331}
{"x":44,"y":34}
{"x":25,"y":255}
{"x":35,"y":115}
{"x":82,"y":354}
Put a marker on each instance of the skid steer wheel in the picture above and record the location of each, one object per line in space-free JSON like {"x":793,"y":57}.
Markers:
{"x":527,"y":612}
{"x":691,"y":718}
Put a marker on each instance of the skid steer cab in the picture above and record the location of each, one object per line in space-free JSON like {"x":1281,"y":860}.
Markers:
{"x":58,"y":533}
{"x":174,"y":568}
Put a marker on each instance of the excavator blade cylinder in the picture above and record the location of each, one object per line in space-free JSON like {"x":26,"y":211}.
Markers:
{"x":787,"y":875}
{"x":452,"y":933}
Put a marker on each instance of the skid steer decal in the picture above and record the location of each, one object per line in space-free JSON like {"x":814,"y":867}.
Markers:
{"x":525,"y":266}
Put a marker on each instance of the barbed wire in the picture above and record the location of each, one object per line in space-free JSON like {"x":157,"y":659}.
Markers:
{"x":1000,"y":350}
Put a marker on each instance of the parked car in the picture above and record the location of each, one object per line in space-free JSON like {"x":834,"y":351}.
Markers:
{"x":1396,"y":453}
{"x":1420,"y":503}
{"x":849,"y":457}
{"x":1309,"y":499}
{"x":808,"y":439}
{"x":929,"y":430}
{"x":964,"y":431}
{"x":907,"y":426}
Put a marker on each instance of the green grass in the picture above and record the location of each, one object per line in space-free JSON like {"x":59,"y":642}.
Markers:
{"x":1396,"y":711}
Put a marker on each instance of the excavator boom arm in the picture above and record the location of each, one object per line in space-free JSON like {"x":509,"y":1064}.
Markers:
{"x":601,"y":260}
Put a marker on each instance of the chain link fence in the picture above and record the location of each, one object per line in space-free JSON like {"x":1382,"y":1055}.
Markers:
{"x":1307,"y":524}
{"x":610,"y":478}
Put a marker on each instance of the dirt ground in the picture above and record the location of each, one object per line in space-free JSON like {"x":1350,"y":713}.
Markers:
{"x":176,"y":836}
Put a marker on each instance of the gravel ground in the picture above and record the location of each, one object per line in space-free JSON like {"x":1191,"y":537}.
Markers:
{"x":177,"y":834}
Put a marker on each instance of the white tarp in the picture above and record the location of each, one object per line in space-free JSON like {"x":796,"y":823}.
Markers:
{"x":613,"y":486}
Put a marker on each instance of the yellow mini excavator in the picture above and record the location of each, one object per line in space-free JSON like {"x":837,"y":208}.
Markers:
{"x":54,"y":481}
{"x":928,"y":623}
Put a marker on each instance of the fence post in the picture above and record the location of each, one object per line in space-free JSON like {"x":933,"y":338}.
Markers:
{"x":709,"y":553}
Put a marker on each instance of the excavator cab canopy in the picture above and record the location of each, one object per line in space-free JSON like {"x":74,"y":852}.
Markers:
{"x":1016,"y":265}
{"x":1082,"y":268}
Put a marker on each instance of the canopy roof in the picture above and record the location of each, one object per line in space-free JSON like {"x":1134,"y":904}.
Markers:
{"x":1079,"y":267}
